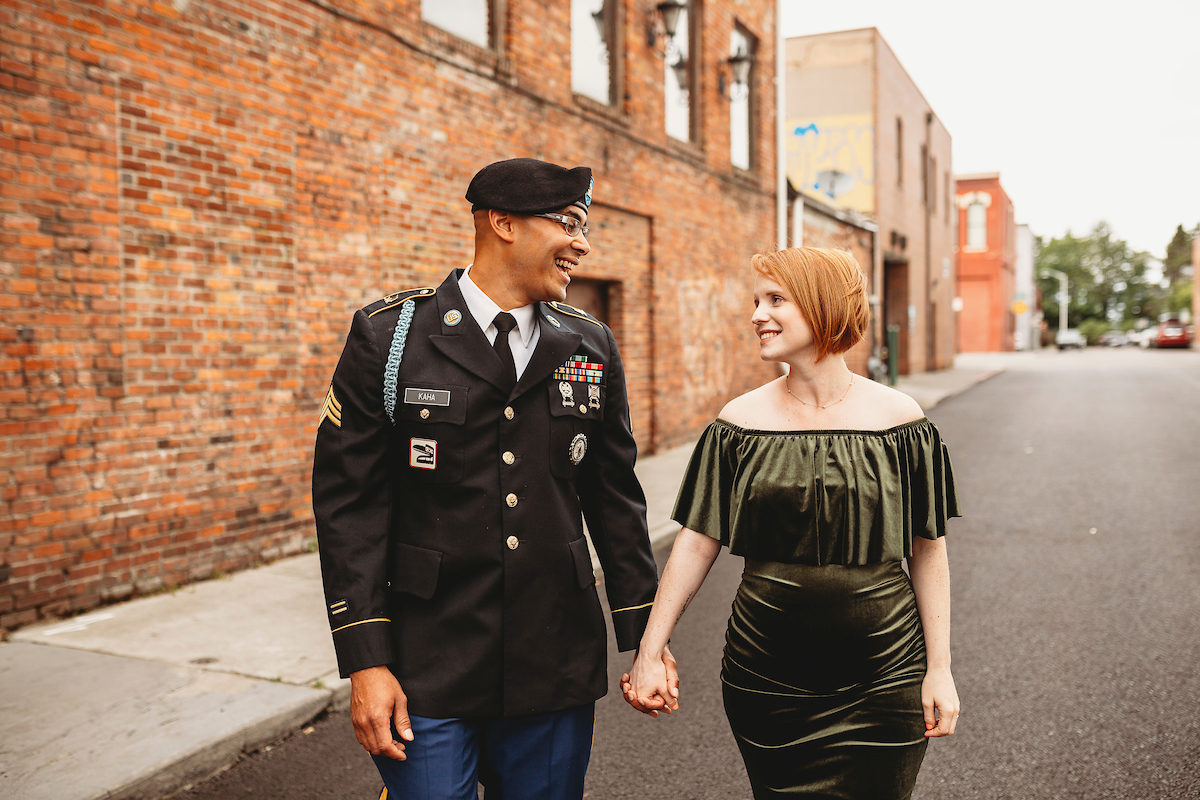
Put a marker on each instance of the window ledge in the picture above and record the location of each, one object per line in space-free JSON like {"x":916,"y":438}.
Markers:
{"x":692,"y":151}
{"x":463,"y":53}
{"x":593,"y":106}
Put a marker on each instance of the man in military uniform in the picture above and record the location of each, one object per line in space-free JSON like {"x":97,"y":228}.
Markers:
{"x":465,"y":430}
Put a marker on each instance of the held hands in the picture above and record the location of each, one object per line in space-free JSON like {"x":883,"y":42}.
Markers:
{"x":652,"y":683}
{"x":375,"y":700}
{"x":938,"y":694}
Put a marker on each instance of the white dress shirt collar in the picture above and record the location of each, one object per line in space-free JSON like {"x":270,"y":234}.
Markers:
{"x":484,"y":310}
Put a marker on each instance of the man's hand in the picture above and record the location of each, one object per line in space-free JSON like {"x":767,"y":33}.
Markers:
{"x":652,"y":684}
{"x":375,"y":700}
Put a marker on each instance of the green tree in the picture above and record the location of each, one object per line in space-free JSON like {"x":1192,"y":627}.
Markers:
{"x":1178,"y":269}
{"x":1179,"y":255}
{"x":1106,"y":278}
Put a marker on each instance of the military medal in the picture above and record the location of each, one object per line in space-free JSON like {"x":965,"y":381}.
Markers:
{"x":593,"y":395}
{"x":578,"y":448}
{"x":568,"y":394}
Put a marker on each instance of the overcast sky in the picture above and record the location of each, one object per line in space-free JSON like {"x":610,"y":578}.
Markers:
{"x":1087,"y":110}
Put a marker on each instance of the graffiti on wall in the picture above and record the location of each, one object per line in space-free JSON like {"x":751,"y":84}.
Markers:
{"x":832,"y":158}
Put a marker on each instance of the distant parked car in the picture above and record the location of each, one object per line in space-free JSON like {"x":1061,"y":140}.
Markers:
{"x":1140,"y":338}
{"x":1113,"y":339}
{"x":1173,"y":333}
{"x":1069,"y":337}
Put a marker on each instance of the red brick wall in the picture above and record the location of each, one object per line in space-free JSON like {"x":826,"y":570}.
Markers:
{"x":987,"y":277}
{"x":822,"y":230}
{"x":195,"y":196}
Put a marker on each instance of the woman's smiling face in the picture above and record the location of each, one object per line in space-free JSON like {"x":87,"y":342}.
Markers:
{"x":782,"y":330}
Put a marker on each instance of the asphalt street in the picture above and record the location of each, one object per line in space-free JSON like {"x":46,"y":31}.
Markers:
{"x":1076,"y":594}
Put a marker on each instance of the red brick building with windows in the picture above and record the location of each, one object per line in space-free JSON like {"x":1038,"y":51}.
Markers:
{"x":987,"y":238}
{"x":195,"y":196}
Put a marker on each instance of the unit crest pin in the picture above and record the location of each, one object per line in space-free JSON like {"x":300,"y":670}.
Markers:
{"x":578,"y":448}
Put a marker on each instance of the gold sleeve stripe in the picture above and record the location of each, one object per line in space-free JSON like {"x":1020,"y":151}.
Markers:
{"x":571,"y":312}
{"x":331,"y":410}
{"x":360,"y":622}
{"x":632,"y":608}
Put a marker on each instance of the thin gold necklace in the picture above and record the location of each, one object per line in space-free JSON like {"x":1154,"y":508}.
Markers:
{"x":818,"y":405}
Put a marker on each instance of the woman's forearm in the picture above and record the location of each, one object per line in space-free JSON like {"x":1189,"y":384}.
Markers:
{"x":930,"y":571}
{"x":692,"y":556}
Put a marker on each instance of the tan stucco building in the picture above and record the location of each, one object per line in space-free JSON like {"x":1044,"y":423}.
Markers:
{"x":860,"y":136}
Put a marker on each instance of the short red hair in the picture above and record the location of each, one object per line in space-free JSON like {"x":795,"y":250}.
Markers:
{"x":830,"y":289}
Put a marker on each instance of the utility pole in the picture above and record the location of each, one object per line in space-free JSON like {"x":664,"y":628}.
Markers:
{"x":1062,"y":296}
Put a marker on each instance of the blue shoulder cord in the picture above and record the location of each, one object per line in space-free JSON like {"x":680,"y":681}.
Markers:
{"x":391,"y":373}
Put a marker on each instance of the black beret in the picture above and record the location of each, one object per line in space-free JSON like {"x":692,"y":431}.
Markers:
{"x":529,"y":186}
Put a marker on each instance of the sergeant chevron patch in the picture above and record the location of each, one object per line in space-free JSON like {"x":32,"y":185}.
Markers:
{"x":331,"y":410}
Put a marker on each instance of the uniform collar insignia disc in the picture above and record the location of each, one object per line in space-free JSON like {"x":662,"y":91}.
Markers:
{"x":452,"y":317}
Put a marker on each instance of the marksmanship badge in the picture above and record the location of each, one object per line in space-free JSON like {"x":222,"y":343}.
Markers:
{"x":593,"y":396}
{"x":578,"y":448}
{"x":568,"y":394}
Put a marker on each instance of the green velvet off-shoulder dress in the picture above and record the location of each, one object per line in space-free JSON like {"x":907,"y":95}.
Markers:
{"x":824,"y":654}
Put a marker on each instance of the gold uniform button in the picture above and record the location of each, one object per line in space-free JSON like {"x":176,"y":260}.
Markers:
{"x":508,"y":457}
{"x":582,"y":408}
{"x":509,"y":413}
{"x":513,"y":543}
{"x":424,"y":413}
{"x":511,"y":500}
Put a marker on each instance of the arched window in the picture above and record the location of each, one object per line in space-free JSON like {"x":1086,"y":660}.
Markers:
{"x":977,"y":226}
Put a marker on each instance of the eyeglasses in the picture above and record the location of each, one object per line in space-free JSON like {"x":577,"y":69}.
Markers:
{"x":570,"y":224}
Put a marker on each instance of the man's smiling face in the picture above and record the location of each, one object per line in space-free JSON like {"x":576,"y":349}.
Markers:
{"x":545,"y":256}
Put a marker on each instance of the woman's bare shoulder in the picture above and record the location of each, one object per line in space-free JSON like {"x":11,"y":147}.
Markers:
{"x":891,"y":407}
{"x":745,"y":410}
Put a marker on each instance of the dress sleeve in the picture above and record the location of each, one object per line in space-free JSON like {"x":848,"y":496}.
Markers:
{"x":706,"y":494}
{"x":934,"y":496}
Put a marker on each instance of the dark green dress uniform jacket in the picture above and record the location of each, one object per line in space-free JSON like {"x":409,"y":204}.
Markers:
{"x":451,"y":542}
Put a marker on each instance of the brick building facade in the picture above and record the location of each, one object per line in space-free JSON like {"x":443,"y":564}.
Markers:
{"x":987,"y":257}
{"x":197,"y":195}
{"x":861,"y":136}
{"x":815,"y":224}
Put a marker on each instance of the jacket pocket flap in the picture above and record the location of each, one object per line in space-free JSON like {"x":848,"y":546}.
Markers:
{"x":583,"y":563}
{"x":430,"y":403}
{"x":415,"y":570}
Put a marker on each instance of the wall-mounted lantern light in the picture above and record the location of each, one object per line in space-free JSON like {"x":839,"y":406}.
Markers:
{"x":680,"y":68}
{"x":661,"y":23}
{"x":738,"y":65}
{"x":601,"y":23}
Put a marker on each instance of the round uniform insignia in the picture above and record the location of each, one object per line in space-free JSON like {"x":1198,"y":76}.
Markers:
{"x":578,"y":448}
{"x":453,"y":317}
{"x":553,"y":321}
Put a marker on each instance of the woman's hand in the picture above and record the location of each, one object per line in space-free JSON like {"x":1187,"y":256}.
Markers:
{"x":938,"y":694}
{"x":652,"y":684}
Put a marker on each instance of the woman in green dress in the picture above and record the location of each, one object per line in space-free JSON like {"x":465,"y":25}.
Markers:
{"x":836,"y":670}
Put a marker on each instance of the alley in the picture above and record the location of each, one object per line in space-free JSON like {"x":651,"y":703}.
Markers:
{"x":1076,"y":589}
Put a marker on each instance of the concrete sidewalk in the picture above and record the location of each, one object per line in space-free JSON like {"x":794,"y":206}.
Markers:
{"x":138,"y":699}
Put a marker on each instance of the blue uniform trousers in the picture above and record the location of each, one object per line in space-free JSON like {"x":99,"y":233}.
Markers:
{"x":536,"y":757}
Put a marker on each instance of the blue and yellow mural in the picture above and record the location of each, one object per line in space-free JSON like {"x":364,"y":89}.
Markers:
{"x":832,"y":158}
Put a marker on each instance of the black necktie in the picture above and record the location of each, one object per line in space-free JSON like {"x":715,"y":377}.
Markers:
{"x":504,"y":323}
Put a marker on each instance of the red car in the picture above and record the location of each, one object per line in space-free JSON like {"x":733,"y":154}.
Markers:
{"x":1173,"y":333}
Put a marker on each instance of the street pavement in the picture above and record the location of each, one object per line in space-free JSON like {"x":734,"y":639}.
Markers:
{"x":145,"y":698}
